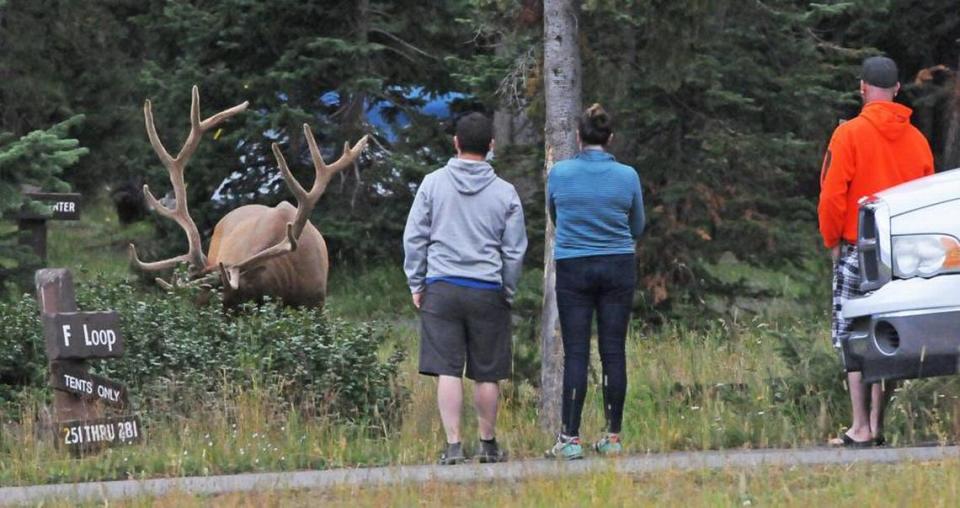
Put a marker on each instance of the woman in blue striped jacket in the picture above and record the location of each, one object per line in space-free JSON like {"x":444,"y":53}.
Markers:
{"x":597,"y":206}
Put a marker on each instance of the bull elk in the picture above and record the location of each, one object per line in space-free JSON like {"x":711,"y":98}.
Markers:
{"x":255,"y":250}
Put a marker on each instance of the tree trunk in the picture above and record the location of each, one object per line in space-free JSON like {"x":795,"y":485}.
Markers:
{"x":503,"y":116}
{"x":511,"y":124}
{"x":951,"y":148}
{"x":624,"y":148}
{"x":512,"y":127}
{"x":356,"y":103}
{"x":561,"y":64}
{"x":352,"y":126}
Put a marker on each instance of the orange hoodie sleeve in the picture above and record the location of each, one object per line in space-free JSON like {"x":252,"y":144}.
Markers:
{"x":835,"y":176}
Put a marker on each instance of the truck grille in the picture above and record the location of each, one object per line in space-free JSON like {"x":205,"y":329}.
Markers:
{"x":871,"y":239}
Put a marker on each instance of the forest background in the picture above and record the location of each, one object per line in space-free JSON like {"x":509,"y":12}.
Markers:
{"x":724,"y":107}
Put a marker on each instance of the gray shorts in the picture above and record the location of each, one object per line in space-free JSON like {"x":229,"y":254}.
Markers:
{"x":465,"y":327}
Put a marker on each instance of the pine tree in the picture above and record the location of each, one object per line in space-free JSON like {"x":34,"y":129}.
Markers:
{"x":60,"y":58}
{"x":37,"y":159}
{"x":304,"y":62}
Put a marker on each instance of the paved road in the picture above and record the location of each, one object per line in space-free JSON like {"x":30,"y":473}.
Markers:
{"x":471,"y":472}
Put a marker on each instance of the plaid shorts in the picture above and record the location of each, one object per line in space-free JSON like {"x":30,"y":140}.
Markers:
{"x":846,"y":284}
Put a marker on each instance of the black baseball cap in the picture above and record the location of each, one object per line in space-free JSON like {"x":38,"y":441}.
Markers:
{"x":880,"y":71}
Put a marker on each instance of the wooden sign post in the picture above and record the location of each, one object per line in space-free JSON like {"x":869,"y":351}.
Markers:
{"x":33,"y":226}
{"x":72,"y":337}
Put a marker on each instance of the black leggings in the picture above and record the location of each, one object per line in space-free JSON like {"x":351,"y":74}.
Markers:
{"x":604,"y":284}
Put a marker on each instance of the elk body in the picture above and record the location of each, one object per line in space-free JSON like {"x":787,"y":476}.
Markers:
{"x":255,"y":250}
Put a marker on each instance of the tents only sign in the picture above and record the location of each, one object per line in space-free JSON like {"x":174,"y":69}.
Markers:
{"x":76,"y":380}
{"x":89,"y":435}
{"x":81,"y":335}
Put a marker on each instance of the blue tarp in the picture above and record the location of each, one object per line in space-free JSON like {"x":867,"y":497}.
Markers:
{"x":379,"y":113}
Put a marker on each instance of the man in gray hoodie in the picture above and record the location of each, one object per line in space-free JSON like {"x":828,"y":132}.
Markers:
{"x":463,"y":245}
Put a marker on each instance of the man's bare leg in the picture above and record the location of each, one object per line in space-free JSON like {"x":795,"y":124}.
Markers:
{"x":486,"y":397}
{"x":860,"y":428}
{"x":450,"y":402}
{"x":879,"y":396}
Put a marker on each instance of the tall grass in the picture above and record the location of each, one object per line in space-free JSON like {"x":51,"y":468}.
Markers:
{"x":748,"y":382}
{"x":688,"y":390}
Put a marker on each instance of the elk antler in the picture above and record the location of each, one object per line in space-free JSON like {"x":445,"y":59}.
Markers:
{"x":305,"y":200}
{"x":175,"y":166}
{"x":324,"y":173}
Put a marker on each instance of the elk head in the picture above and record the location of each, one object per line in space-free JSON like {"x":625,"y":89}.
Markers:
{"x":255,"y":250}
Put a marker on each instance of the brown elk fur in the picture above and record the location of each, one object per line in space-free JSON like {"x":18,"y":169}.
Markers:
{"x":298,"y":278}
{"x":256,"y":250}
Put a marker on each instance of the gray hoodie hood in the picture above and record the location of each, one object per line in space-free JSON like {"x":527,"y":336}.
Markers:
{"x":470,"y":177}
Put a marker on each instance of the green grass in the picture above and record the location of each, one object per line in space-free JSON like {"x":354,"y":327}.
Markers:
{"x":934,"y":484}
{"x":779,"y":294}
{"x":379,"y":293}
{"x":725,"y":385}
{"x":96,"y":244}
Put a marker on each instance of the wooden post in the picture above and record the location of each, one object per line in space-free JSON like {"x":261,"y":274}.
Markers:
{"x":80,"y":397}
{"x":33,"y":233}
{"x":55,"y":295}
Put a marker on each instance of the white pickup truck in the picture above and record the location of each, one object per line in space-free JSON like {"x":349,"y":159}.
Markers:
{"x":908,"y":323}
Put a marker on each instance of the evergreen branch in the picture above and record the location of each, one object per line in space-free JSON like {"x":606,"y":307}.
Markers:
{"x":822,"y":43}
{"x":400,"y":53}
{"x":514,"y":84}
{"x":403,"y":43}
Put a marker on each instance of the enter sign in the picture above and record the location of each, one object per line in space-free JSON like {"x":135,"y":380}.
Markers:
{"x":62,"y":206}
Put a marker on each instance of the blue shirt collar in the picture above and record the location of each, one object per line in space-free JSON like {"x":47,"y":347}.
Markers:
{"x":595,"y":155}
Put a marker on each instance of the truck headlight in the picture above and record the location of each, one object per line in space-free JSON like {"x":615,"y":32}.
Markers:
{"x":925,"y":255}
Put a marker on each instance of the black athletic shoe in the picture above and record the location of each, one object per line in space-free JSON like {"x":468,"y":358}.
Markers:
{"x":452,"y":455}
{"x":490,"y":452}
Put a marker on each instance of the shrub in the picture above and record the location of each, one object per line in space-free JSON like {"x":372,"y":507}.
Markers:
{"x":23,"y":361}
{"x":179,"y":353}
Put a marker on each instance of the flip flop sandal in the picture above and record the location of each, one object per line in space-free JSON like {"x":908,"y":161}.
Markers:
{"x":849,"y":442}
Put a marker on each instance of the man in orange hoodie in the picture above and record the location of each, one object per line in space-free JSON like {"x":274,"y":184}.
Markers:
{"x":876,"y":150}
